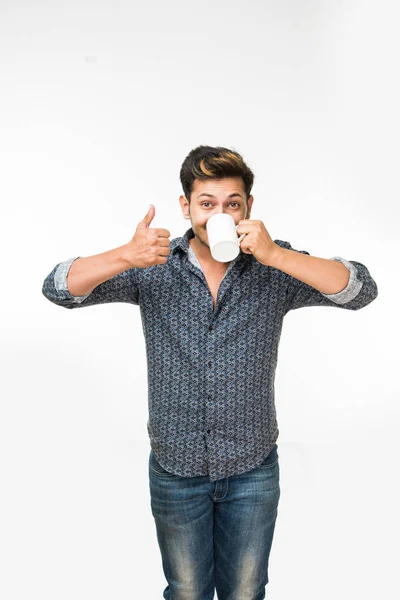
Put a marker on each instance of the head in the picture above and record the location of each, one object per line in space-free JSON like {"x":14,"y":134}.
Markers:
{"x":214,"y":180}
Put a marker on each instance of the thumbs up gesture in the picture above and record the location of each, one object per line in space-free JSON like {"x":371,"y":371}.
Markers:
{"x":150,"y":245}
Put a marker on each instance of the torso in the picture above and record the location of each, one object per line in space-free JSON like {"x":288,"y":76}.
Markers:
{"x":213,"y":274}
{"x":213,"y":278}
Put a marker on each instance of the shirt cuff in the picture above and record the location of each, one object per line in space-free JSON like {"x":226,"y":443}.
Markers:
{"x":353,"y":287}
{"x":60,"y":279}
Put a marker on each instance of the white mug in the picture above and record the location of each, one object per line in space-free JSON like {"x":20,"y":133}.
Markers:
{"x":223,"y":238}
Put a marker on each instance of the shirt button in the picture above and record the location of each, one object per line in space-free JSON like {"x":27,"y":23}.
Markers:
{"x":208,"y":430}
{"x":209,"y":364}
{"x":209,"y":327}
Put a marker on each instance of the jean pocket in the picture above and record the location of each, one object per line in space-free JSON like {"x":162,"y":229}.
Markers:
{"x":156,"y":468}
{"x":271,"y":460}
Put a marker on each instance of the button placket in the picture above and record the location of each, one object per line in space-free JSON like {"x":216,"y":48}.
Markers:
{"x":209,"y":404}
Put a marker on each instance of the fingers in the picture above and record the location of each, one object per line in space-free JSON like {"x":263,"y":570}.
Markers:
{"x":163,"y":251}
{"x":163,"y":241}
{"x":159,"y":232}
{"x":148,"y":217}
{"x":164,"y":233}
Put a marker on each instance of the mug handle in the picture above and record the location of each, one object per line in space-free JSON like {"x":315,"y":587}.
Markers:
{"x":241,"y":237}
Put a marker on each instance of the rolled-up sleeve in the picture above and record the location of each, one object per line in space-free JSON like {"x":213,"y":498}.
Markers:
{"x":353,"y":287}
{"x":60,"y":279}
{"x":360,"y":291}
{"x":123,"y":287}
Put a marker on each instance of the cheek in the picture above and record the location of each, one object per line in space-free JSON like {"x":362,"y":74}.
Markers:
{"x":201,"y":221}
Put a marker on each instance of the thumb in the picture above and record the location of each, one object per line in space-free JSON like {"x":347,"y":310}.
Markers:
{"x":149,"y":217}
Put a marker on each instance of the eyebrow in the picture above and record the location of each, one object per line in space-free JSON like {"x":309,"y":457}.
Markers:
{"x":212,"y":195}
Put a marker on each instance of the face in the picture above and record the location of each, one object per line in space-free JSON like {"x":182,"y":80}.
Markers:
{"x":215,"y":196}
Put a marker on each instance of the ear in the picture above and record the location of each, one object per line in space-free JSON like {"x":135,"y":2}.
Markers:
{"x":249,"y":205}
{"x":184,"y":206}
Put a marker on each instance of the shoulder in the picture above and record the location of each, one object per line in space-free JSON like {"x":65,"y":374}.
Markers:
{"x":283,"y":244}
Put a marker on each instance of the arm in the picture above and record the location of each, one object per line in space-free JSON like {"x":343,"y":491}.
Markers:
{"x":99,"y":279}
{"x":87,"y":273}
{"x":111,"y":276}
{"x":325,"y":275}
{"x":316,"y":281}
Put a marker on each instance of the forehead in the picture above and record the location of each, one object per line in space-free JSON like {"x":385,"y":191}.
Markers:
{"x":226,"y":185}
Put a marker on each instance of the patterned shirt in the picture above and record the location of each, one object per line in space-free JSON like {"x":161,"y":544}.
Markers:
{"x":211,"y":370}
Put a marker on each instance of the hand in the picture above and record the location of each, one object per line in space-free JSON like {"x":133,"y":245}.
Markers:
{"x":257,"y":241}
{"x":149,"y":246}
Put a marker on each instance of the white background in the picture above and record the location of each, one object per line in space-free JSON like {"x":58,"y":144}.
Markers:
{"x":100,"y":104}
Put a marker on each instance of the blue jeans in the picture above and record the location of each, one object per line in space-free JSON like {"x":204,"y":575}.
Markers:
{"x":215,"y":535}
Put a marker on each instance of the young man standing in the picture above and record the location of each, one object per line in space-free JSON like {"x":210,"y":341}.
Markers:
{"x":212,"y":332}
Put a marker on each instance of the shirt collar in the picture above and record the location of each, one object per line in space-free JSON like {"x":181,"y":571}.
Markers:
{"x":183,"y":242}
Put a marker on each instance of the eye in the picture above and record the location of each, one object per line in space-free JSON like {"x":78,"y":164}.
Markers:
{"x":203,"y":203}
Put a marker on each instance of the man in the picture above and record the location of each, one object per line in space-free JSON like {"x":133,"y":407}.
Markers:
{"x":212,"y":332}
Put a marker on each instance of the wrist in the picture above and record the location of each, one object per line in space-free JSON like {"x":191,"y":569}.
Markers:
{"x":125,"y":256}
{"x":276,"y":257}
